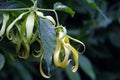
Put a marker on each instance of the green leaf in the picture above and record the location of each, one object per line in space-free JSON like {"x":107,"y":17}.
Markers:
{"x":48,"y":37}
{"x":61,"y":7}
{"x":2,"y":61}
{"x":72,"y":75}
{"x":86,"y":66}
{"x":94,"y":5}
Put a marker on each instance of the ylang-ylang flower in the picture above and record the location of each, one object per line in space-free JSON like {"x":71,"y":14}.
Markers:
{"x":64,"y":49}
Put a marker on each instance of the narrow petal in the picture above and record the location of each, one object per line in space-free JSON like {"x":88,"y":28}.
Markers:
{"x":26,"y":52}
{"x":12,"y":24}
{"x":40,"y":14}
{"x":30,"y":25}
{"x":40,"y":51}
{"x":41,"y":70}
{"x":75,"y":56}
{"x":51,"y":19}
{"x":5,"y":19}
{"x":57,"y":54}
{"x":66,"y":60}
{"x":78,"y":42}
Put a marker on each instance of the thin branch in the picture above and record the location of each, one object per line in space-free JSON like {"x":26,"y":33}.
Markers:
{"x":19,"y":9}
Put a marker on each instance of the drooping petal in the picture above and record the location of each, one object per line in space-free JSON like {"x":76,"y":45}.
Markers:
{"x":66,"y":59}
{"x":40,"y":14}
{"x":5,"y":20}
{"x":74,"y":52}
{"x":40,"y":52}
{"x":79,"y":43}
{"x":57,"y":54}
{"x":75,"y":56}
{"x":12,"y":24}
{"x":41,"y":69}
{"x":26,"y":52}
{"x":30,"y":25}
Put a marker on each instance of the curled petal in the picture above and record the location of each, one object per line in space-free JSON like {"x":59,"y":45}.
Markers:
{"x":26,"y":52}
{"x":66,"y":60}
{"x":5,"y":19}
{"x":12,"y":24}
{"x":51,"y":19}
{"x":75,"y":56}
{"x":57,"y":60}
{"x":40,"y":51}
{"x":74,"y":52}
{"x":78,"y":42}
{"x":34,"y":37}
{"x":30,"y":25}
{"x":41,"y":70}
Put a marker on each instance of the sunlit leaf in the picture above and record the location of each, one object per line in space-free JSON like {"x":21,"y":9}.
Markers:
{"x":48,"y":37}
{"x":2,"y":61}
{"x":61,"y":7}
{"x":86,"y":66}
{"x":72,"y":75}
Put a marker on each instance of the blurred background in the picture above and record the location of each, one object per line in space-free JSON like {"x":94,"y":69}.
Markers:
{"x":101,"y":60}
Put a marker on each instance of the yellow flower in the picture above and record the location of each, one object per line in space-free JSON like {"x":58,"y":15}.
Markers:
{"x":63,"y":50}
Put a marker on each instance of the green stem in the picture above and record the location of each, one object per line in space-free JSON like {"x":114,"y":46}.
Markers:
{"x":19,"y":9}
{"x":35,"y":4}
{"x":51,"y":10}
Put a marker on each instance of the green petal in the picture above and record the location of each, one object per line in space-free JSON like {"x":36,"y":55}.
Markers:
{"x":12,"y":24}
{"x":5,"y":20}
{"x":40,"y":52}
{"x":26,"y":52}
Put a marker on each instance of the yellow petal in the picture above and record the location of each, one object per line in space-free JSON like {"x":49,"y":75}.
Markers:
{"x":66,"y":60}
{"x":57,"y":60}
{"x":41,"y":70}
{"x":57,"y":54}
{"x":75,"y":56}
{"x":78,"y":42}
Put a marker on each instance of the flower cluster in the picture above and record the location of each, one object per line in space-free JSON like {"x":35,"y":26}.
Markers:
{"x":23,"y":31}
